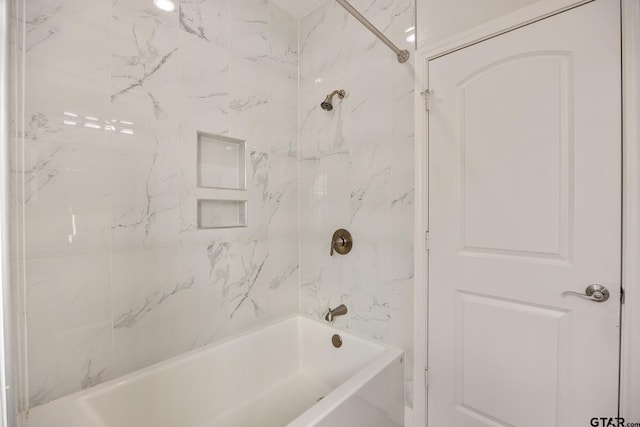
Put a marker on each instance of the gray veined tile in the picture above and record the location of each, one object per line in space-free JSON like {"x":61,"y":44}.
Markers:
{"x":238,"y":68}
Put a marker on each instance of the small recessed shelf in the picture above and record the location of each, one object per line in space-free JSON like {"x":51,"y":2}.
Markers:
{"x":222,"y":214}
{"x":221,"y":162}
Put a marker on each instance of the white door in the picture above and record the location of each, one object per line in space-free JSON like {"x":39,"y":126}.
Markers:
{"x":524,"y":204}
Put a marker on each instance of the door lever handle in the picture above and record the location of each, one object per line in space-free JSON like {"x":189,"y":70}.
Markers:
{"x":595,"y":293}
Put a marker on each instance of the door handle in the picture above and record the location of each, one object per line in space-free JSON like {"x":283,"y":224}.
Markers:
{"x":595,"y":293}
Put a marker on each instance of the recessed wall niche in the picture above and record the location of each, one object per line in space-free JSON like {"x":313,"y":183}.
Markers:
{"x":222,"y":214}
{"x":221,"y":162}
{"x":222,"y":182}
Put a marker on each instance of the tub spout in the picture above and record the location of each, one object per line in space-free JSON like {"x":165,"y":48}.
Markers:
{"x":340,"y":310}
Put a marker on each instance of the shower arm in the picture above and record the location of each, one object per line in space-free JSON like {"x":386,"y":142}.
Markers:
{"x":403,"y":55}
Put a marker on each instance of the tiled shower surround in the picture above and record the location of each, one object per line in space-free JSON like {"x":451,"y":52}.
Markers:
{"x":356,"y":170}
{"x":111,"y":273}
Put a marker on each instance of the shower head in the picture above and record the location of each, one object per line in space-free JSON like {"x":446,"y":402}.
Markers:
{"x":326,"y":106}
{"x":327,"y":103}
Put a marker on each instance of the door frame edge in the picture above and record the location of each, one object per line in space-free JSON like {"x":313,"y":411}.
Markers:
{"x":630,"y":316}
{"x":630,"y":372}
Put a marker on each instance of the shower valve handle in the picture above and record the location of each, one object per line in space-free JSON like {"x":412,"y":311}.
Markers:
{"x":341,"y":242}
{"x":335,"y":243}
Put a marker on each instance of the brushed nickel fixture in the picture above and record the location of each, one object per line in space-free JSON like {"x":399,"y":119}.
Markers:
{"x":336,"y":340}
{"x":327,"y":104}
{"x":595,"y":293}
{"x":341,"y":242}
{"x":340,"y":310}
{"x":402,"y":54}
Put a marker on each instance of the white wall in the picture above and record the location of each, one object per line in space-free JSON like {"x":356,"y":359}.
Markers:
{"x":440,"y":19}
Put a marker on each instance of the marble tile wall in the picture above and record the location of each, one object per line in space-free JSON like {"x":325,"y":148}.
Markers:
{"x":114,"y":272}
{"x":356,"y":170}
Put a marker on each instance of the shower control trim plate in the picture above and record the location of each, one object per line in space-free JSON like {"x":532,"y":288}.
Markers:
{"x":341,"y":242}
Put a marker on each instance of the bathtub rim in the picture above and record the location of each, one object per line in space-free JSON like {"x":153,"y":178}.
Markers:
{"x":388,"y":353}
{"x":347,"y":389}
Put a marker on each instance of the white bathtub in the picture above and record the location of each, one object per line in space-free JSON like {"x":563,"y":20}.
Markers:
{"x":284,"y":374}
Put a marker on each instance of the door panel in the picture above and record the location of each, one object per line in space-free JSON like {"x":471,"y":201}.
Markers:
{"x":495,"y":353}
{"x":524,"y":204}
{"x":525,"y":216}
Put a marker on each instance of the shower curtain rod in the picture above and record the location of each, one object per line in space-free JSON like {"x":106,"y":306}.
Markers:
{"x":403,"y":55}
